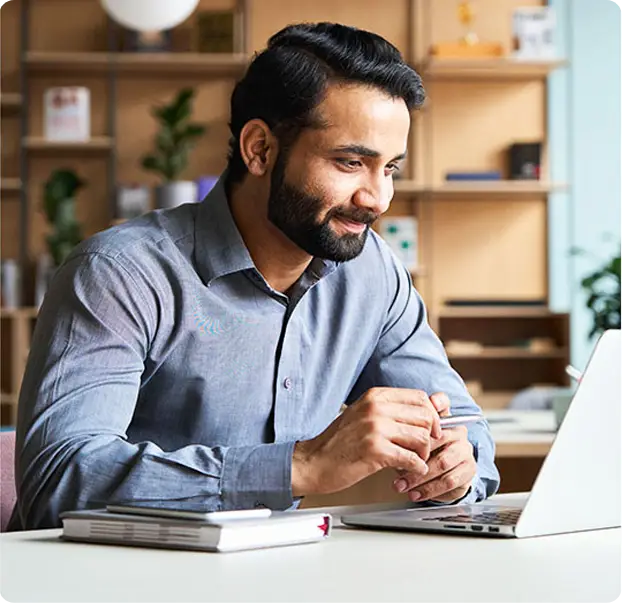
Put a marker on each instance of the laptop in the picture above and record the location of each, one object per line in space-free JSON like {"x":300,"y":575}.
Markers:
{"x":578,"y":486}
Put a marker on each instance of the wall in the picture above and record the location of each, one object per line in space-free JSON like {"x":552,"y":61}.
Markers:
{"x":584,"y":123}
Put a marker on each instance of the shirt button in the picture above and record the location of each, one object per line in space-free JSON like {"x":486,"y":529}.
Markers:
{"x":287,"y":383}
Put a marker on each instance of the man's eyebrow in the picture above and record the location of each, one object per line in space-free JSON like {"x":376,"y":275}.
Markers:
{"x":357,"y":149}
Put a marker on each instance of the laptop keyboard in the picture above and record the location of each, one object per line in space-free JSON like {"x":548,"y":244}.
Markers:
{"x":506,"y":517}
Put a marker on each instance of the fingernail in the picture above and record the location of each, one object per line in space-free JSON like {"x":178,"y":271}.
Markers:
{"x":414,"y":495}
{"x":400,"y":485}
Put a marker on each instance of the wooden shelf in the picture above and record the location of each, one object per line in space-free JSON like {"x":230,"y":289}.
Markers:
{"x":495,"y":312}
{"x":500,"y":188}
{"x":10,"y":101}
{"x":515,"y":189}
{"x":98,"y":143}
{"x":494,"y":353}
{"x":493,"y":68}
{"x":10,"y":185}
{"x":25,"y":312}
{"x":8,"y":398}
{"x":169,"y":63}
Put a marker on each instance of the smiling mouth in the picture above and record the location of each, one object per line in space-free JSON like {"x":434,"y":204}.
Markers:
{"x":351,"y":225}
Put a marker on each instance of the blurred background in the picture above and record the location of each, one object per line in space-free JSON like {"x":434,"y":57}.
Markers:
{"x":507,"y":213}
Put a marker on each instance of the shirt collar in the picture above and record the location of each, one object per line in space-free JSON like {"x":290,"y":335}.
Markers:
{"x":220,"y":249}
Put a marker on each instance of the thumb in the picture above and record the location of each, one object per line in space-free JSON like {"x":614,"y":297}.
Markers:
{"x":441,"y":402}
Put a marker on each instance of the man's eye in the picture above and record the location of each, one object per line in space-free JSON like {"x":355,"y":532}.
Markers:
{"x":350,"y":163}
{"x":393,"y":168}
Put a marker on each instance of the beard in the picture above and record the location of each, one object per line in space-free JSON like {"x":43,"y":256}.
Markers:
{"x":295,"y":213}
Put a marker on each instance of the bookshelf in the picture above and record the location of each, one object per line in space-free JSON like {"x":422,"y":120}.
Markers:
{"x":487,"y":69}
{"x":475,"y":109}
{"x":136,"y":64}
{"x":10,"y":101}
{"x":10,"y":185}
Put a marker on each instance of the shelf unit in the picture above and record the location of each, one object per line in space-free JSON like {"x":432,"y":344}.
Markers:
{"x":135,"y":81}
{"x":487,"y":69}
{"x":95,"y":143}
{"x":10,"y":185}
{"x":10,"y":101}
{"x":169,"y":64}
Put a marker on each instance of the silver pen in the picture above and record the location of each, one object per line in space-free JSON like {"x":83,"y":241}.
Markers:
{"x":455,"y":420}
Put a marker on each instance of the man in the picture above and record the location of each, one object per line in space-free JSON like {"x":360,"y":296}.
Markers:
{"x":202,"y":354}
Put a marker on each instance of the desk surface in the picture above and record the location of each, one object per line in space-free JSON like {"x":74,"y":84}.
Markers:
{"x":352,"y":565}
{"x":522,"y":433}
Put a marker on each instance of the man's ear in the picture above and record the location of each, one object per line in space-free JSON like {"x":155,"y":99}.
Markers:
{"x":258,"y":147}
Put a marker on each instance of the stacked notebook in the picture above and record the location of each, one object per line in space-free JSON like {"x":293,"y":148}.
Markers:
{"x":278,"y":529}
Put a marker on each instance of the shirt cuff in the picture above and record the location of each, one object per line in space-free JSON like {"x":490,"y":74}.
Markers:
{"x":257,"y":476}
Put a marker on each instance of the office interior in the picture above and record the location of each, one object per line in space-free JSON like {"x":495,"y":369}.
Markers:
{"x":508,"y":203}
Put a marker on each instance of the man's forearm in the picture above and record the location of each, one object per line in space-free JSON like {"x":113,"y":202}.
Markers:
{"x":103,"y":469}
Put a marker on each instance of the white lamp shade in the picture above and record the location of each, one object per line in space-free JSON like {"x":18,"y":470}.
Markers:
{"x":149,"y":15}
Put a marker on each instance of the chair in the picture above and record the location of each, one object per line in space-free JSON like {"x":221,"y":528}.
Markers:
{"x":8,"y":495}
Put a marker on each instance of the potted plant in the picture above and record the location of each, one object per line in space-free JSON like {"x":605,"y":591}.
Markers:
{"x":176,"y":137}
{"x":59,"y":205}
{"x":603,"y":296}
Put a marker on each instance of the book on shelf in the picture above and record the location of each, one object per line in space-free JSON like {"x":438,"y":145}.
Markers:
{"x":472,"y":176}
{"x":280,"y":528}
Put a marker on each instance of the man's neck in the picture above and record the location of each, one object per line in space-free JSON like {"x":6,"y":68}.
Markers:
{"x":277,"y":258}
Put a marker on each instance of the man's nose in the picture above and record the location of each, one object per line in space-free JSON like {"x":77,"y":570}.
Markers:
{"x":375,"y":196}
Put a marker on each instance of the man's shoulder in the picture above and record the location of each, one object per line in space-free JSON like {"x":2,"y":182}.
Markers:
{"x":148,"y":238}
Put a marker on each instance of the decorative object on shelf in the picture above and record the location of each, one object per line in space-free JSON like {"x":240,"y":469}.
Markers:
{"x":11,"y":283}
{"x":469,"y":46}
{"x":59,"y":205}
{"x":472,"y":176}
{"x":400,"y":233}
{"x":524,"y":160}
{"x":67,"y":114}
{"x":602,"y":287}
{"x":215,"y":31}
{"x":204,"y":185}
{"x":133,"y":200}
{"x":533,"y":30}
{"x":149,"y":15}
{"x":147,"y":41}
{"x":177,"y":136}
{"x":458,"y":347}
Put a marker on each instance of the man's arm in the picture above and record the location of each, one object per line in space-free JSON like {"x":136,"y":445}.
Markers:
{"x":409,"y":354}
{"x":78,"y":397}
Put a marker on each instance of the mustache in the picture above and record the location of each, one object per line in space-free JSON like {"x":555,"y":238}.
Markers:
{"x":357,"y":215}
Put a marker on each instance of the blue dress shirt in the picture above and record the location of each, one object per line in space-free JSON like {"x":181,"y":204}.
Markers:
{"x":164,"y":367}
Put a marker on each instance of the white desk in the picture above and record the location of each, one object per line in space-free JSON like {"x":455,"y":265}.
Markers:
{"x":352,"y":565}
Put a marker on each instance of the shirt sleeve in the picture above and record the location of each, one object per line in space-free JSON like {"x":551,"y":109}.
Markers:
{"x":78,"y":396}
{"x":409,"y":354}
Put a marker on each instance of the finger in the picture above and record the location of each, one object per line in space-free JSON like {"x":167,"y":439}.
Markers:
{"x":416,"y":439}
{"x":397,"y":456}
{"x":419,"y":416}
{"x":439,"y":462}
{"x":459,"y":477}
{"x":407,"y":397}
{"x":441,"y":403}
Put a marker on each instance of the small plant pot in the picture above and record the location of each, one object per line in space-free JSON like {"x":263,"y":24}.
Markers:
{"x":174,"y":194}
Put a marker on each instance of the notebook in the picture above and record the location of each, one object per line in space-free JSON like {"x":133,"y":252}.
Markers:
{"x":279,"y":529}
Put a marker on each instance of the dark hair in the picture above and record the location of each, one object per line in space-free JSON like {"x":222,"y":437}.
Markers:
{"x":287,"y":80}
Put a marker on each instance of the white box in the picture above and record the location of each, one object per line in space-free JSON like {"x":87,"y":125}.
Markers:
{"x":401,"y":234}
{"x":533,"y":31}
{"x":67,"y":114}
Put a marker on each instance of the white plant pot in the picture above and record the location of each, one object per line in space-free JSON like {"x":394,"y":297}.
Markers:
{"x":173,"y":194}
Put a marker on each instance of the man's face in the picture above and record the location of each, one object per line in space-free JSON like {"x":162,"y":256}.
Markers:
{"x":337,"y":180}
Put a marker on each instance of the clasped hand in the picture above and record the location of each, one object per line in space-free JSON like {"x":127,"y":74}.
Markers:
{"x":388,"y":427}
